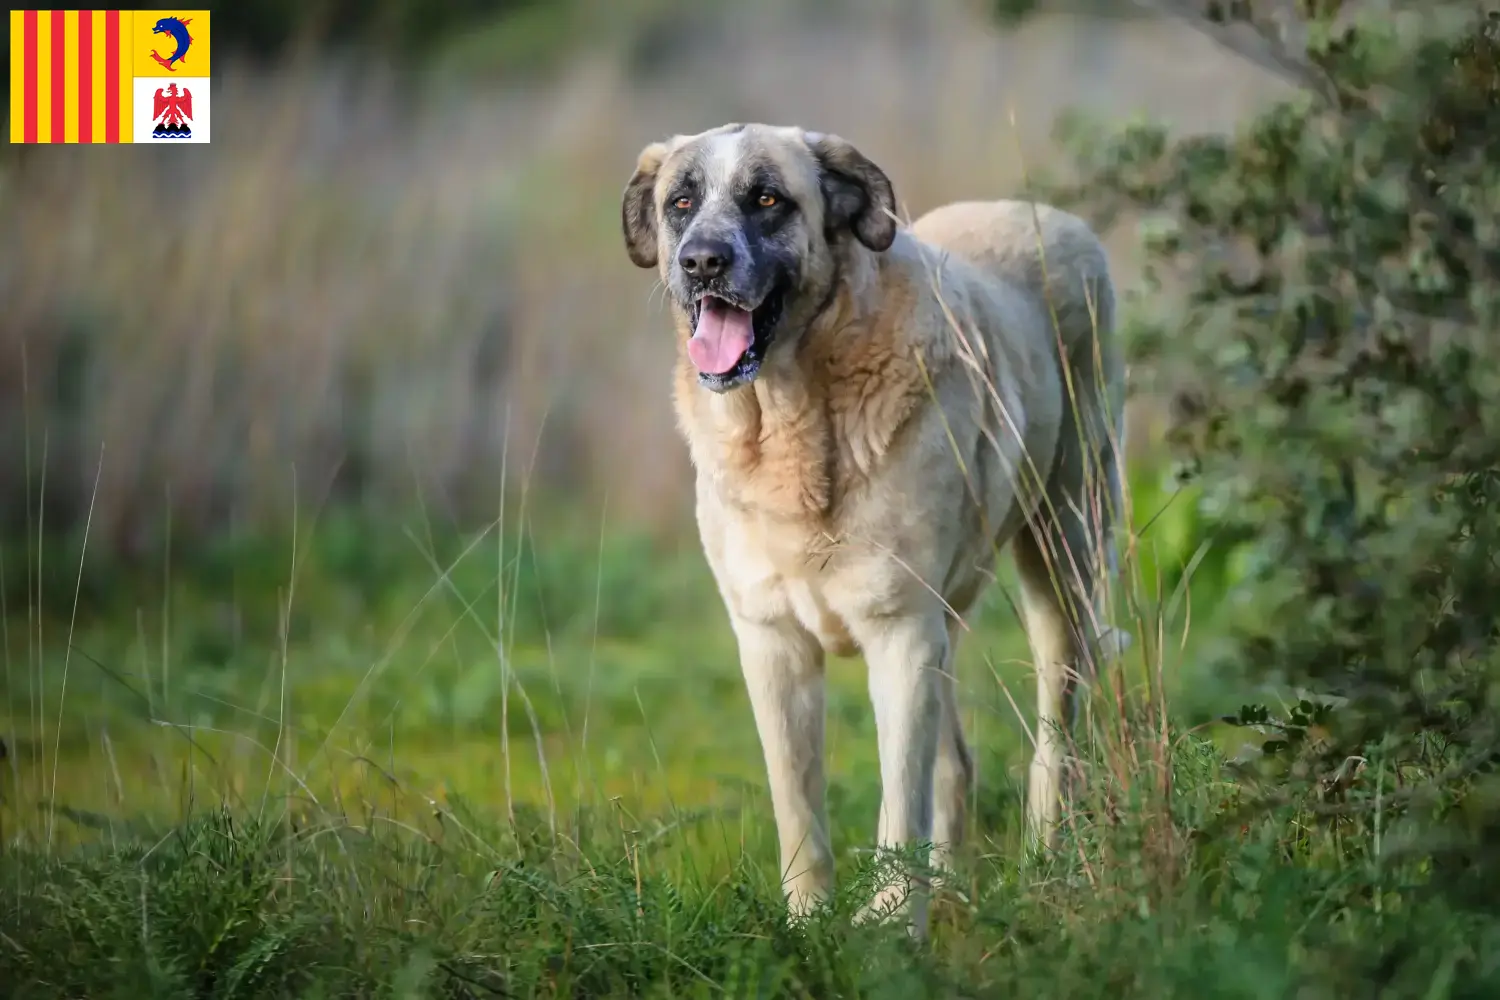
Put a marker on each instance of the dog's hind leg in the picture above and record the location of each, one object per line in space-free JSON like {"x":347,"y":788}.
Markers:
{"x":1065,"y":556}
{"x":1055,"y":650}
{"x":783,"y":668}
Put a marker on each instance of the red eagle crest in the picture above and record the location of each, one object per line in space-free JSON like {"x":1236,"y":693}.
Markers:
{"x":176,"y":106}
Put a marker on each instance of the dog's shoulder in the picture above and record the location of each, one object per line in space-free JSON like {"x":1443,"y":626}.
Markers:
{"x":887,"y":355}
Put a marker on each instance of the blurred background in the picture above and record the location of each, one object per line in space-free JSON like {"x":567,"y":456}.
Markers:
{"x":400,"y":260}
{"x":263,"y":401}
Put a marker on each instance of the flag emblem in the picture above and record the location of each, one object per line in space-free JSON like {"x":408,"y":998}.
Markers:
{"x":176,"y":28}
{"x":109,"y":76}
{"x":173,"y":113}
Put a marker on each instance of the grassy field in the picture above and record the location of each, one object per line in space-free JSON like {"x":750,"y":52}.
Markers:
{"x":396,"y":761}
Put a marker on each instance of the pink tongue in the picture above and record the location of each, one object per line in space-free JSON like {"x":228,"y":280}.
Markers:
{"x":723,"y":336}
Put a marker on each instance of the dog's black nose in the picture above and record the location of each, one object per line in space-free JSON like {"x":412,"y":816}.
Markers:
{"x":705,"y":258}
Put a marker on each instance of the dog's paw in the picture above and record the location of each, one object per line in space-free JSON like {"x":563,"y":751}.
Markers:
{"x":896,"y":904}
{"x":800,"y":906}
{"x":890,"y":904}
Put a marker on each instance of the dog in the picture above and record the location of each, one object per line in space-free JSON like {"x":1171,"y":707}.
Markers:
{"x":872,"y":412}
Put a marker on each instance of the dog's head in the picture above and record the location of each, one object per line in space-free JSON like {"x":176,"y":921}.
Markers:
{"x":746,"y":224}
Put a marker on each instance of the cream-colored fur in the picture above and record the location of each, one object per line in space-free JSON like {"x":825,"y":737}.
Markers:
{"x":852,"y":497}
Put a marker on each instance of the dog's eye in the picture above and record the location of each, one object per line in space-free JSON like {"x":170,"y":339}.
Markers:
{"x":767,"y":200}
{"x":683,"y":204}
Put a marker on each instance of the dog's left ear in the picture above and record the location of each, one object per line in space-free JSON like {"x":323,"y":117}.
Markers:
{"x":638,"y":206}
{"x":856,"y":193}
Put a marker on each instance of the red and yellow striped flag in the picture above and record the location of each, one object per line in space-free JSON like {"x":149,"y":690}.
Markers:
{"x":82,"y":75}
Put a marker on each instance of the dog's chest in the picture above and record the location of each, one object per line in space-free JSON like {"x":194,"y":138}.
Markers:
{"x":773,"y":570}
{"x":784,"y":472}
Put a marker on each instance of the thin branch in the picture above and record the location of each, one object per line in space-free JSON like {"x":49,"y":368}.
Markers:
{"x":1254,"y":46}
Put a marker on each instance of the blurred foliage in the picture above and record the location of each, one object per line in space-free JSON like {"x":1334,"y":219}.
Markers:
{"x":1011,"y":12}
{"x":503,"y":37}
{"x":269,"y":28}
{"x":1335,"y":390}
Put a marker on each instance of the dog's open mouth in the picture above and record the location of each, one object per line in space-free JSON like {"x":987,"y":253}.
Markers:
{"x":729,"y":341}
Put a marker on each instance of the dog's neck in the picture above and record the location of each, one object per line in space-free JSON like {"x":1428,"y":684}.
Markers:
{"x":811,"y":425}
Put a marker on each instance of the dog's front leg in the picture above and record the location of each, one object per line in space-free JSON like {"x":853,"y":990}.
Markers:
{"x":783,"y":667}
{"x":906,"y":658}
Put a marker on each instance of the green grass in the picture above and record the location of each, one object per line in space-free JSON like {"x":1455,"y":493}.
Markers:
{"x":387,"y":654}
{"x":411,"y":763}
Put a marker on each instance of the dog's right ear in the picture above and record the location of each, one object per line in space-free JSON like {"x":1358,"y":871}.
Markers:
{"x":638,"y":207}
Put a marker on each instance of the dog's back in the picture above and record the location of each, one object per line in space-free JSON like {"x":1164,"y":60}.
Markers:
{"x":1041,"y":249}
{"x":1056,"y":258}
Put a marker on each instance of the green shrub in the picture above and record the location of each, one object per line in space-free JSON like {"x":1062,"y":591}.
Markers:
{"x":1335,"y":386}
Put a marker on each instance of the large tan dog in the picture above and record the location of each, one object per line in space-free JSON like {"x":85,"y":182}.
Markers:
{"x":872,"y":412}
